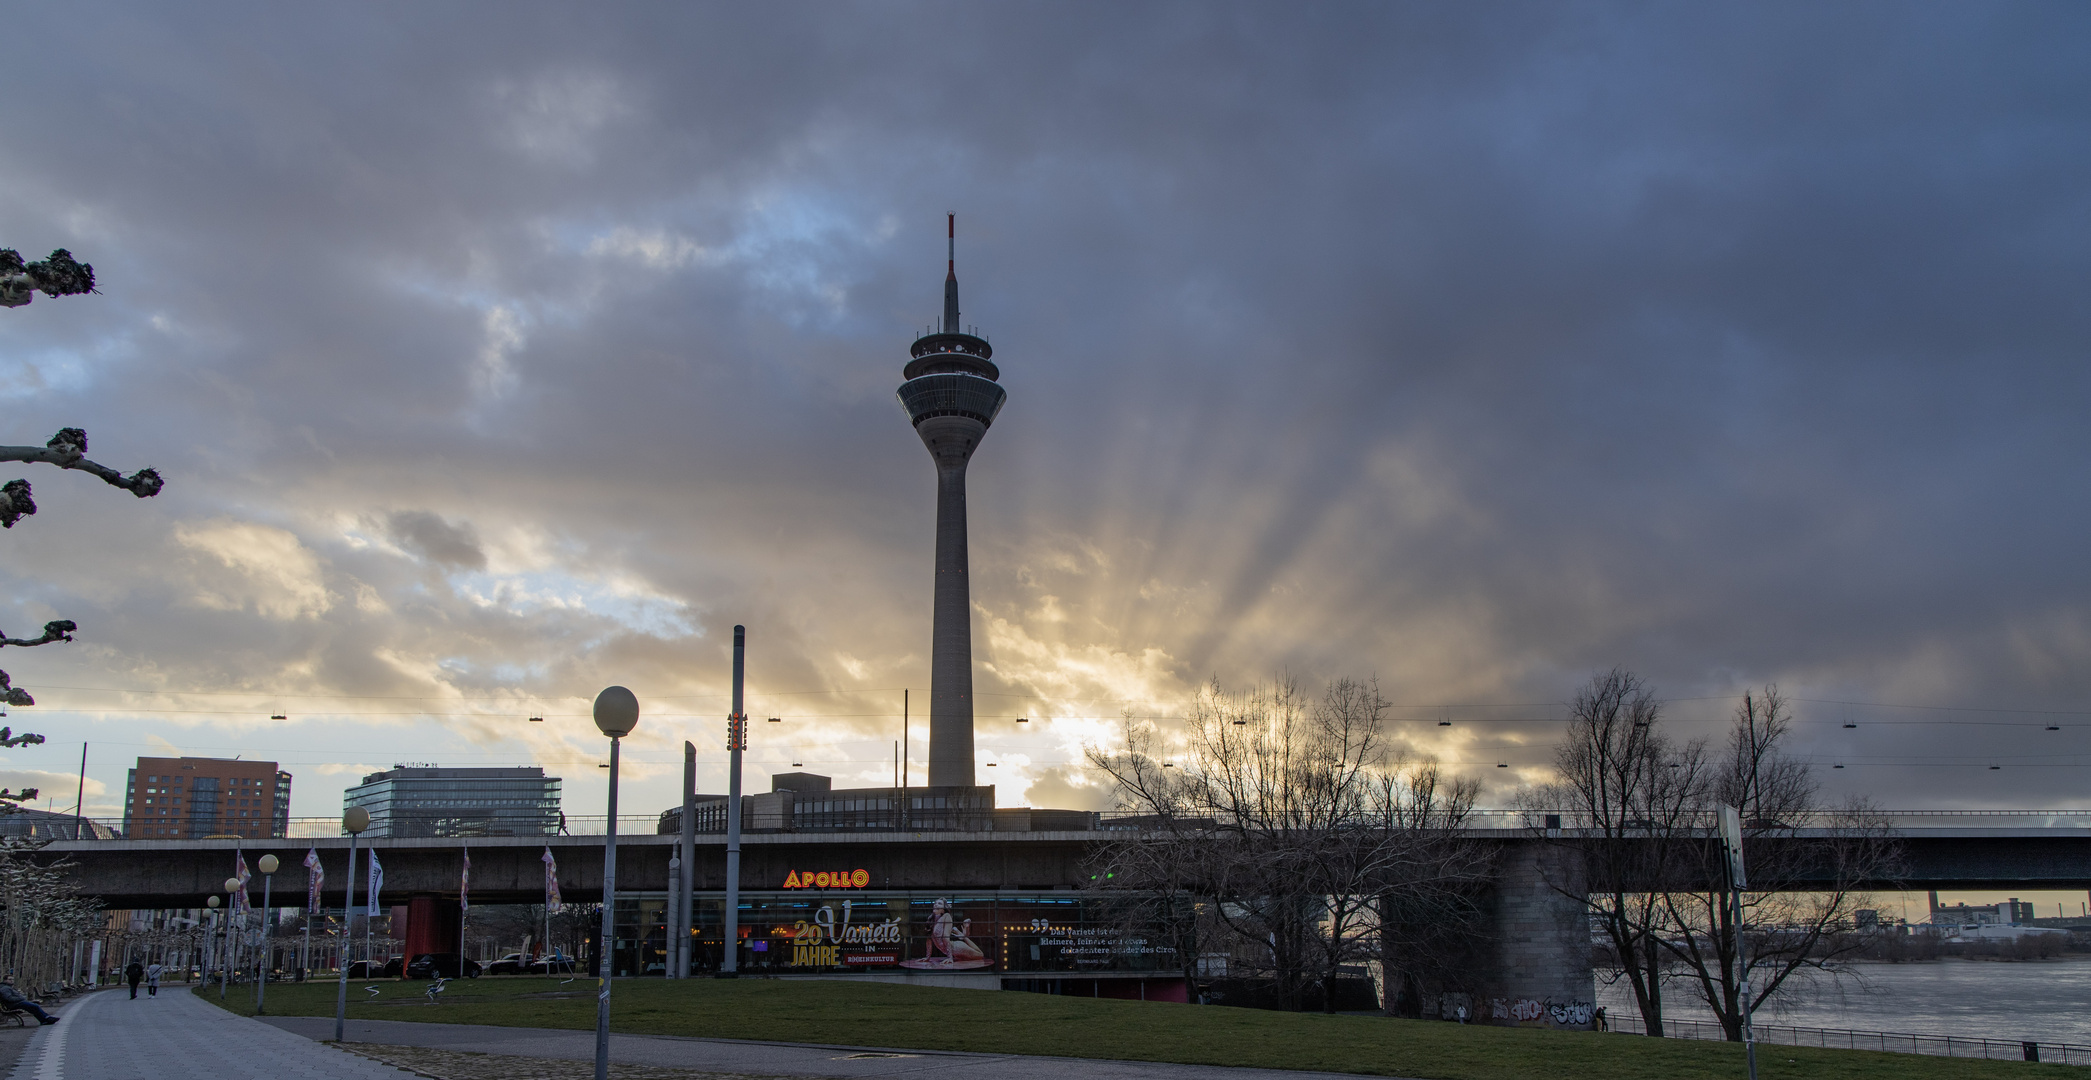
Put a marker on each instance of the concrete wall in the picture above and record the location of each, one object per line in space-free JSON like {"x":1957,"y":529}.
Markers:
{"x":1536,"y":964}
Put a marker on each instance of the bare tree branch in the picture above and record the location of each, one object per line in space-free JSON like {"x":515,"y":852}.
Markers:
{"x":67,"y":450}
{"x":59,"y":275}
{"x":55,"y":630}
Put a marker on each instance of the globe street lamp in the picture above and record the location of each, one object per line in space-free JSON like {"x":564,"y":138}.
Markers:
{"x":232,"y":889}
{"x":353,"y":820}
{"x":267,"y":865}
{"x":616,"y":714}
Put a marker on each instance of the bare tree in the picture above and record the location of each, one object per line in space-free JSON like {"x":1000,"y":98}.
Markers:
{"x":1630,"y":802}
{"x":60,"y":275}
{"x":1807,"y":867}
{"x":1286,"y":828}
{"x":41,"y":916}
{"x":1427,"y":913}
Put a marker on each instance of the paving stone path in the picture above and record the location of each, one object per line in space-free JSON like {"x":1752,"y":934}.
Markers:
{"x":176,"y":1036}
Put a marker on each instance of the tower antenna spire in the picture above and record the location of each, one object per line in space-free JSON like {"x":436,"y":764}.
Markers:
{"x":951,"y":273}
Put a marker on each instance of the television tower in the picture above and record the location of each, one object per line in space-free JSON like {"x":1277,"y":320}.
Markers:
{"x":951,"y":397}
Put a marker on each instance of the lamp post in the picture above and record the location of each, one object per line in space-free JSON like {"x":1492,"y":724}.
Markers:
{"x":686,"y":885}
{"x":736,"y":742}
{"x":616,"y":714}
{"x":232,"y":889}
{"x":674,"y":915}
{"x":267,"y":865}
{"x":354,"y":820}
{"x":210,"y":939}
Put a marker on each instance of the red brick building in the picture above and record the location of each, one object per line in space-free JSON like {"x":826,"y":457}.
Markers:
{"x":189,"y":797}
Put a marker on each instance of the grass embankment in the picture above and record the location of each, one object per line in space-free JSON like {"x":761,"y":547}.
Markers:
{"x":931,"y":1018}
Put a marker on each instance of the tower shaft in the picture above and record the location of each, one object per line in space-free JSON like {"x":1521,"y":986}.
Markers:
{"x":951,"y":634}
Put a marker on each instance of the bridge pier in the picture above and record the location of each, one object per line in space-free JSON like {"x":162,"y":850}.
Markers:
{"x":1534,"y":966}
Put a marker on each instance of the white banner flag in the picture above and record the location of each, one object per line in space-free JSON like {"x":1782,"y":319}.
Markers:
{"x":312,"y":881}
{"x":377,"y":882}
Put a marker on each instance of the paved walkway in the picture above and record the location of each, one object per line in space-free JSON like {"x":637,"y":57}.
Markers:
{"x":107,"y":1036}
{"x":767,"y":1058}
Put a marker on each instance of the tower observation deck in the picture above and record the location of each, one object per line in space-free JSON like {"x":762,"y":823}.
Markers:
{"x":951,"y":396}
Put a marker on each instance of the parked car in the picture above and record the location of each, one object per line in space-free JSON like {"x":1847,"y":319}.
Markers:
{"x":512,"y":964}
{"x":371,"y":969}
{"x":447,"y":965}
{"x":516,"y":963}
{"x":554,"y":964}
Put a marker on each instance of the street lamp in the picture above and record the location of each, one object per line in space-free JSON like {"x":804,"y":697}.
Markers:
{"x":232,"y":889}
{"x":210,"y":939}
{"x":616,"y":714}
{"x":267,"y":865}
{"x":353,"y":820}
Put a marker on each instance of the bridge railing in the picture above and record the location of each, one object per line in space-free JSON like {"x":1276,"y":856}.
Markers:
{"x":1486,"y":820}
{"x":1503,"y":820}
{"x":1894,"y":1042}
{"x":317,"y":827}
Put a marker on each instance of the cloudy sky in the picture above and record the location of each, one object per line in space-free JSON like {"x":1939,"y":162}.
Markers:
{"x":496,"y":353}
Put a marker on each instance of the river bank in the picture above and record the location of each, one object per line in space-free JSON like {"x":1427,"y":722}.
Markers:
{"x":2043,"y":1000}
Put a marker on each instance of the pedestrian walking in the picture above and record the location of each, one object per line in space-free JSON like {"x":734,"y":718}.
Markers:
{"x":135,"y":973}
{"x":152,"y":979}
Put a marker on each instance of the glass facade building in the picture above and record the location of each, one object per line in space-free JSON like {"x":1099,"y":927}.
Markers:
{"x":428,"y":801}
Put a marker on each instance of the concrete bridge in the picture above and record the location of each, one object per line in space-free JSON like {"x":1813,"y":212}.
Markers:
{"x":1540,"y":942}
{"x":1943,"y":852}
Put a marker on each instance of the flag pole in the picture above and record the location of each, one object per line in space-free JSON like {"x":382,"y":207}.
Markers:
{"x":464,"y":907}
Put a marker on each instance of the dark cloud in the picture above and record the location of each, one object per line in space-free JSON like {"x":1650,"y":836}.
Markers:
{"x":1475,"y":350}
{"x":437,"y":540}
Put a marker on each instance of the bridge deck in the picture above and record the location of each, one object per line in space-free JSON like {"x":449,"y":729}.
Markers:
{"x":180,"y":873}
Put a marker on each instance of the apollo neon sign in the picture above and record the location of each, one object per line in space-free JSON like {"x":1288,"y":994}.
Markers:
{"x":828,"y":879}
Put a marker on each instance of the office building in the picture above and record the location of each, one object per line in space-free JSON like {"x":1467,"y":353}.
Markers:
{"x":191,"y":798}
{"x":413,"y":800}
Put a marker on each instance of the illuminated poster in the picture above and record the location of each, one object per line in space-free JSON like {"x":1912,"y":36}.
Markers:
{"x":948,"y":945}
{"x":844,"y":938}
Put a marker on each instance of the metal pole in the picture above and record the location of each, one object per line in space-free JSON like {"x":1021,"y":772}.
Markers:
{"x":261,"y":973}
{"x":1742,"y":963}
{"x":1731,"y":827}
{"x":730,"y":962}
{"x":225,"y":948}
{"x":904,"y":748}
{"x":80,"y":806}
{"x":348,"y":916}
{"x":685,"y":912}
{"x":602,"y":993}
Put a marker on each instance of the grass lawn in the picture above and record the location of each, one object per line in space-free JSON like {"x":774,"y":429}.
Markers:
{"x":930,"y":1018}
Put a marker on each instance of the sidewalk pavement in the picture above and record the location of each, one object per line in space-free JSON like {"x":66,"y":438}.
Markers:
{"x":767,"y":1058}
{"x":176,"y":1036}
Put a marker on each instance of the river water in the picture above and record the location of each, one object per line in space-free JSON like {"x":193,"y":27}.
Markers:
{"x":2043,"y":1000}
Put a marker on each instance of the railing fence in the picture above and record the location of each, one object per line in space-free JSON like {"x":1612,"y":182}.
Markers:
{"x":1897,"y":1042}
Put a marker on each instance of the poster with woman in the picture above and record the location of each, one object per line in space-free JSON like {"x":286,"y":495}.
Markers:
{"x":949,"y":945}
